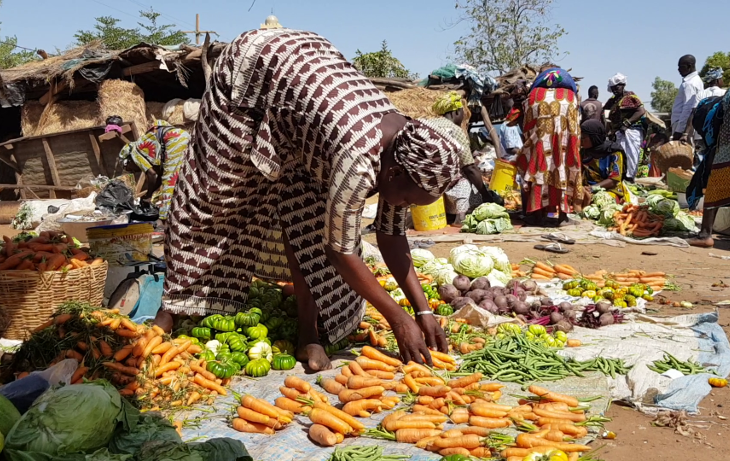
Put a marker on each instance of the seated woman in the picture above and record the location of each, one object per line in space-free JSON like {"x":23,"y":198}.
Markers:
{"x":604,"y":165}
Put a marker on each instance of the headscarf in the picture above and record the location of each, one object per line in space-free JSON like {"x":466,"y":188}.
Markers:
{"x":449,"y":102}
{"x":114,"y":123}
{"x":602,"y":146}
{"x":513,"y":115}
{"x":712,"y":75}
{"x":618,"y":79}
{"x":429,"y":157}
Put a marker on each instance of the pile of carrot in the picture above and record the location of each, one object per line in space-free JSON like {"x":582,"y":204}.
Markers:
{"x":376,"y":335}
{"x":517,"y":271}
{"x":143,"y":362}
{"x":637,"y":221}
{"x":50,"y":251}
{"x":257,"y":416}
{"x":655,"y":280}
{"x":542,"y":271}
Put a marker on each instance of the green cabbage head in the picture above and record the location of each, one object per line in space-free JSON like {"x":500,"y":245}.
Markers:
{"x":473,"y":264}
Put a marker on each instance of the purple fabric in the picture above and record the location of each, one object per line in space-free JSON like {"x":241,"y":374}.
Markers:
{"x":116,"y":128}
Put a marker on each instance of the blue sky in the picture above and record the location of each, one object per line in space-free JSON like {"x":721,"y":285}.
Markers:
{"x":641,"y":39}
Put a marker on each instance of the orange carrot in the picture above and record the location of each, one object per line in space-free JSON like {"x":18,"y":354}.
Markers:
{"x":356,"y":425}
{"x":369,"y":364}
{"x":348,"y":395}
{"x":332,"y":386}
{"x":576,"y":417}
{"x":193,"y":397}
{"x":259,"y":406}
{"x":530,"y":441}
{"x":241,"y":425}
{"x":254,"y":417}
{"x":297,"y":383}
{"x":460,"y":416}
{"x":375,"y":354}
{"x":170,"y":366}
{"x":397,"y":424}
{"x":130,"y":371}
{"x":321,"y":435}
{"x":78,"y":374}
{"x":466,"y":441}
{"x":354,"y":368}
{"x":72,"y":354}
{"x":288,"y":404}
{"x":105,"y":348}
{"x":454,"y":451}
{"x":553,"y":396}
{"x":434,"y":391}
{"x":409,"y":381}
{"x":490,"y":423}
{"x":151,"y":345}
{"x":363,"y":407}
{"x":329,"y":420}
{"x":414,"y":435}
{"x":361,"y":382}
{"x":123,"y":332}
{"x":487,"y":412}
{"x":480,"y":431}
{"x":161,"y":348}
{"x":170,"y":354}
{"x":208,"y":384}
{"x":381,"y":374}
{"x":425,"y":410}
{"x":466,"y":380}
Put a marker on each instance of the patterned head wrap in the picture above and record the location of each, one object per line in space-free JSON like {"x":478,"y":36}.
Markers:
{"x":618,"y":79}
{"x":513,"y":115}
{"x":449,"y":102}
{"x":714,"y":74}
{"x":429,"y":157}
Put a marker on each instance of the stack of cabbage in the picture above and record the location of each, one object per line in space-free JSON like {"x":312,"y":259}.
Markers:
{"x":675,"y":219}
{"x":468,"y":260}
{"x":602,"y":208}
{"x":487,"y":218}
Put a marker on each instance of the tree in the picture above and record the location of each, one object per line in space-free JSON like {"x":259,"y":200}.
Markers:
{"x":108,"y":31}
{"x":662,"y":98}
{"x":11,"y":55}
{"x":506,"y":34}
{"x":381,"y":64}
{"x":718,"y":60}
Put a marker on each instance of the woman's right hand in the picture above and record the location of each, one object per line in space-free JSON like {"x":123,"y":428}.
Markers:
{"x":410,"y":340}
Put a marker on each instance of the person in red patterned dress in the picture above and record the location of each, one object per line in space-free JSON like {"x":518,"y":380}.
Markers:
{"x":290,"y":143}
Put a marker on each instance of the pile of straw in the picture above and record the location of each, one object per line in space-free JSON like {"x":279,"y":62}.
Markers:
{"x":36,"y":119}
{"x":415,"y":102}
{"x":154,"y":111}
{"x":125,"y":99}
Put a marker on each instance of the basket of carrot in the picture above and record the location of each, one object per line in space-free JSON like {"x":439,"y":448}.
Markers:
{"x":40,"y":274}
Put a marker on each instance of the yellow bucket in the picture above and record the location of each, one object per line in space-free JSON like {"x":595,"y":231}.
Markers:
{"x":503,"y":177}
{"x":429,"y":217}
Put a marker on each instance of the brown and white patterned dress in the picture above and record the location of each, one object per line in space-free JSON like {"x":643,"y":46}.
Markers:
{"x":288,"y":135}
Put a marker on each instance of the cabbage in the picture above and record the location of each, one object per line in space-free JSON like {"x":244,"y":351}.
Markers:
{"x":490,"y":211}
{"x":602,"y":199}
{"x":499,"y":279}
{"x":664,"y":206}
{"x":430,"y":268}
{"x":442,"y":260}
{"x":501,"y":261}
{"x":682,"y":223}
{"x":397,"y":295}
{"x":473,"y":264}
{"x":460,"y":249}
{"x":605,"y":219}
{"x":421,"y":257}
{"x":73,"y":419}
{"x":591,"y":212}
{"x":469,"y":225}
{"x":486,"y":227}
{"x":446,"y":275}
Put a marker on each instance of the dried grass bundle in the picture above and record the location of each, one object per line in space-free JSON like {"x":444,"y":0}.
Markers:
{"x":59,"y":116}
{"x":125,"y":99}
{"x":415,"y":102}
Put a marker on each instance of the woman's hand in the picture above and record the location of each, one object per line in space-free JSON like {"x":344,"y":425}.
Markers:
{"x":411,"y":345}
{"x":435,"y":335}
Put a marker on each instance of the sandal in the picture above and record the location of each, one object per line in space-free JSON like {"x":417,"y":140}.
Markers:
{"x":553,"y":248}
{"x":560,"y":238}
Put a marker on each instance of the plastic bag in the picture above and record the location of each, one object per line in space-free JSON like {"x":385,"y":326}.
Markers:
{"x":116,"y":196}
{"x":23,"y":392}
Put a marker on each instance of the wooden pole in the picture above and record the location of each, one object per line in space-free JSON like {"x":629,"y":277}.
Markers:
{"x":199,"y":33}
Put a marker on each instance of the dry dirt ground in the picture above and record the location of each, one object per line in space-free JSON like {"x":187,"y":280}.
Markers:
{"x":696,"y":273}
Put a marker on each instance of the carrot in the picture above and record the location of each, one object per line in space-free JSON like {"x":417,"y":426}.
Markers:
{"x":13,"y":261}
{"x":288,"y":404}
{"x":363,"y":407}
{"x":260,"y":406}
{"x":490,"y":423}
{"x":150,"y":346}
{"x":209,"y":384}
{"x":78,"y":374}
{"x":124,"y":333}
{"x":480,"y":431}
{"x":355,"y":369}
{"x":170,"y":366}
{"x":435,"y":391}
{"x":482,"y":452}
{"x":486,"y":412}
{"x":369,"y":364}
{"x":161,"y":348}
{"x":401,"y":388}
{"x":425,"y":410}
{"x":97,"y":262}
{"x":545,"y":394}
{"x":543,"y":266}
{"x":348,"y":395}
{"x":530,"y":441}
{"x":361,"y":382}
{"x":254,"y":417}
{"x":297,"y":383}
{"x":342,"y":379}
{"x":570,"y":416}
{"x":43,"y":326}
{"x":415,"y":435}
{"x":321,"y":435}
{"x":356,"y":425}
{"x":436,"y":419}
{"x":443,"y":357}
{"x":560,"y":269}
{"x":72,"y":354}
{"x":409,"y":381}
{"x":241,"y":425}
{"x":329,"y":420}
{"x":430,"y":381}
{"x":390,"y":402}
{"x":130,"y":371}
{"x":398,"y":424}
{"x":105,"y":348}
{"x":539,"y":277}
{"x":170,"y":354}
{"x":412,"y":367}
{"x":460,"y":416}
{"x":543,"y":273}
{"x":465,"y":441}
{"x":569,"y":429}
{"x":372,"y":353}
{"x":466,"y":380}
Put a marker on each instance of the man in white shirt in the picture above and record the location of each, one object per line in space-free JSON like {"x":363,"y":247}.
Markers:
{"x":714,"y":84}
{"x":689,"y":95}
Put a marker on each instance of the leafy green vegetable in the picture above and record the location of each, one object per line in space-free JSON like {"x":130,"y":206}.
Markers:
{"x":211,"y":450}
{"x":149,"y":428}
{"x":421,"y":257}
{"x":473,"y":263}
{"x":490,"y":211}
{"x":592,"y":212}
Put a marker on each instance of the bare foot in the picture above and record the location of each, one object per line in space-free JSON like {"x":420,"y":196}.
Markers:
{"x":702,"y":242}
{"x":314,"y":356}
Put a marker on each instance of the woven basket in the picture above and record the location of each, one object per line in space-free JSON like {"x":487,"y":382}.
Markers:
{"x":673,"y":155}
{"x":29,"y":298}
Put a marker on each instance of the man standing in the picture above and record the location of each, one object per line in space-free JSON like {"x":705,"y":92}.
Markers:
{"x":689,"y":95}
{"x":592,"y":108}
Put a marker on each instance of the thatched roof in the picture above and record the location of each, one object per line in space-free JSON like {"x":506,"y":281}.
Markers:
{"x":170,"y":72}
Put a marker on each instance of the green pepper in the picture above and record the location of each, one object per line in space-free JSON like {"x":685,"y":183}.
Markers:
{"x":570,"y":285}
{"x":445,"y":310}
{"x":273,"y":297}
{"x":560,"y":336}
{"x":237,"y":343}
{"x":637,"y":291}
{"x":223,"y":356}
{"x":224,"y":348}
{"x":201,"y":332}
{"x":283,"y":362}
{"x":648,"y":297}
{"x":249,"y":318}
{"x":253,"y":292}
{"x":257,"y":332}
{"x":223,"y":369}
{"x":649,"y":290}
{"x":620,"y":303}
{"x":240,"y":358}
{"x":283,"y":347}
{"x":258,"y":368}
{"x":207,"y":354}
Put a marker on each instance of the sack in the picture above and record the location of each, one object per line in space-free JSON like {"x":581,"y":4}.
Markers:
{"x":116,"y":196}
{"x":708,"y":118}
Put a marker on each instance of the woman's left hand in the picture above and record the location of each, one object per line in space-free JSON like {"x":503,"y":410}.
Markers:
{"x":434,"y":334}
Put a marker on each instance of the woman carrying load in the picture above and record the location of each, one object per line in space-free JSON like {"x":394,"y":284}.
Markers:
{"x":626,"y":115}
{"x":290,"y":143}
{"x":550,"y":159}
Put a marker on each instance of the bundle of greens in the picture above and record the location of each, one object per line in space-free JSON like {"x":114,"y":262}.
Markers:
{"x":487,"y":218}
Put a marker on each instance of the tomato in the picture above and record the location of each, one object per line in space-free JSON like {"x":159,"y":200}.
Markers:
{"x":207,"y":355}
{"x":249,"y":318}
{"x":208,"y":321}
{"x":258,"y":368}
{"x":556,"y":455}
{"x":445,"y":310}
{"x":240,"y":358}
{"x":283,"y":347}
{"x":717,"y":382}
{"x":273,"y":323}
{"x":237,"y":343}
{"x":257,"y":332}
{"x":537,"y":330}
{"x":223,"y":368}
{"x":225,"y":324}
{"x":283,"y":362}
{"x":201,"y":332}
